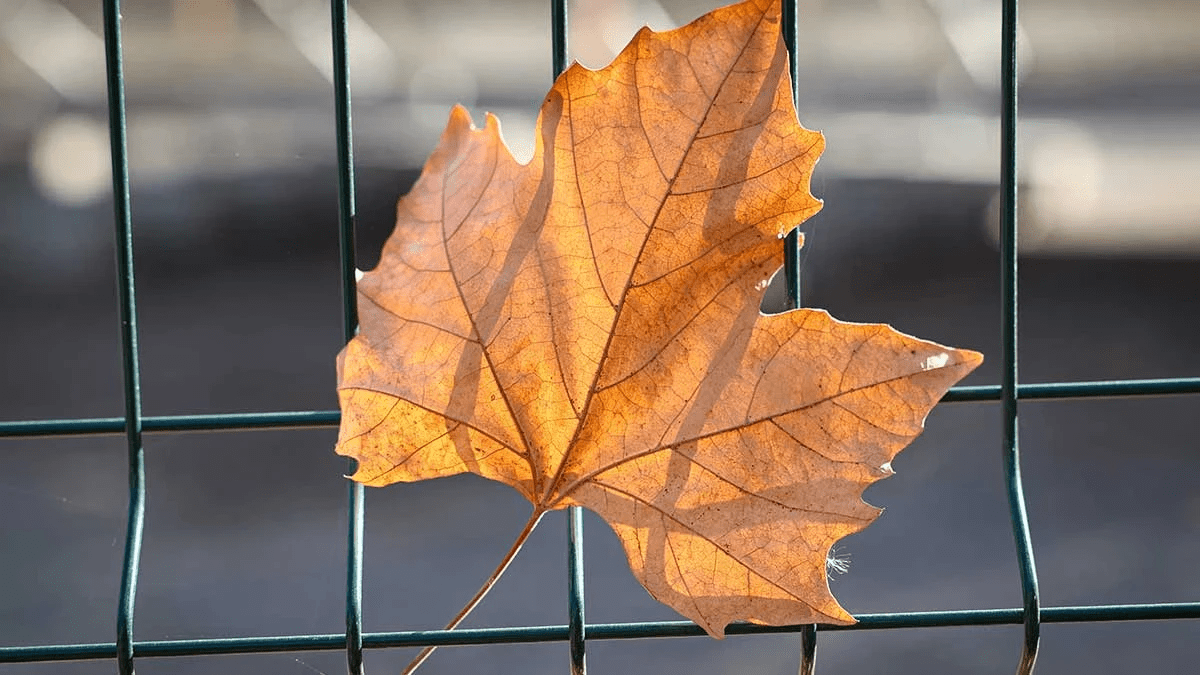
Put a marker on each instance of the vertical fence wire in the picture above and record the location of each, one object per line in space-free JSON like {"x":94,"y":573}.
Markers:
{"x":576,"y":626}
{"x":558,"y":37}
{"x":1008,"y":386}
{"x":808,"y":650}
{"x":789,"y":21}
{"x":346,"y":254}
{"x":790,"y":27}
{"x":129,"y":345}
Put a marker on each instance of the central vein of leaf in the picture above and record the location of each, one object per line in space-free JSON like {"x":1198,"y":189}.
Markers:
{"x":549,"y":498}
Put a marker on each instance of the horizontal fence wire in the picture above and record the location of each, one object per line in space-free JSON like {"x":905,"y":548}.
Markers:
{"x":310,"y":419}
{"x":355,"y":640}
{"x":595,"y":631}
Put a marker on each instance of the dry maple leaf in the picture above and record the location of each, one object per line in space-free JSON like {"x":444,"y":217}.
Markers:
{"x":586,"y":329}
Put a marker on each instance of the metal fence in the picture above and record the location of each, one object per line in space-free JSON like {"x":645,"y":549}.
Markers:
{"x":576,"y":631}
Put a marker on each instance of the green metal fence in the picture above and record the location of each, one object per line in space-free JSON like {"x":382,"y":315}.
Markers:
{"x":354,"y":640}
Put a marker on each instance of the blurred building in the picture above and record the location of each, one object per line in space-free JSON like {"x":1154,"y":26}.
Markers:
{"x":908,"y":90}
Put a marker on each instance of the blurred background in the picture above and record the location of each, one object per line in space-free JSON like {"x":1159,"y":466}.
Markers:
{"x":232,"y":156}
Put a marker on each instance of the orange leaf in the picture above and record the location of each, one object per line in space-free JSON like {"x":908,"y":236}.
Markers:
{"x":585,"y":328}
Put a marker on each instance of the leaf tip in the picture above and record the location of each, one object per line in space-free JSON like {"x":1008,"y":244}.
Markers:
{"x":460,"y":115}
{"x":970,"y":358}
{"x":460,"y":122}
{"x":964,"y":360}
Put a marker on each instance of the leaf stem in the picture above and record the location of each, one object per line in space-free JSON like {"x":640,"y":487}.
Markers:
{"x":483,"y":590}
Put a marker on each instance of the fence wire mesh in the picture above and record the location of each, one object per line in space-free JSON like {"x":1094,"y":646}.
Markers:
{"x":576,"y":632}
